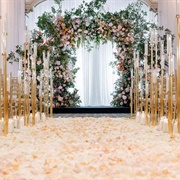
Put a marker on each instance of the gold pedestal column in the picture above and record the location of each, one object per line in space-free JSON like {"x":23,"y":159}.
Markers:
{"x":178,"y":71}
{"x":162,"y":94}
{"x":170,"y":107}
{"x":6,"y":112}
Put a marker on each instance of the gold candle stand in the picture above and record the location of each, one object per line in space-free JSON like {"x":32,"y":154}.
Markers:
{"x":51,"y":101}
{"x":132,"y":104}
{"x":156,"y":56}
{"x":136,"y":89}
{"x":141,"y":96}
{"x":1,"y":94}
{"x":29,"y":105}
{"x":33,"y":91}
{"x":19,"y":100}
{"x":40,"y":104}
{"x":46,"y":94}
{"x":6,"y":113}
{"x":33,"y":96}
{"x":141,"y":103}
{"x":134,"y":96}
{"x":178,"y":71}
{"x":151,"y":86}
{"x":170,"y":106}
{"x":131,"y":99}
{"x":146,"y":108}
{"x":154,"y":104}
{"x":146,"y":96}
{"x":162,"y":94}
{"x":10,"y":96}
{"x":26,"y":99}
{"x":27,"y":80}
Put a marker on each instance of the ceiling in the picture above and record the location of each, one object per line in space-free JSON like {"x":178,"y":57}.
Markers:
{"x":31,"y":3}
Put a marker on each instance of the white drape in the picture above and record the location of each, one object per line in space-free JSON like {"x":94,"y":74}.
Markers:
{"x":167,"y":18}
{"x":14,"y":13}
{"x":167,"y":14}
{"x":95,"y":80}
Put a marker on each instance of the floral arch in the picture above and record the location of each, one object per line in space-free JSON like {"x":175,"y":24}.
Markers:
{"x":62,"y":35}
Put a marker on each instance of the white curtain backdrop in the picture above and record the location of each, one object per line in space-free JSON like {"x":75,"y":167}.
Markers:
{"x":167,"y":14}
{"x":95,"y":80}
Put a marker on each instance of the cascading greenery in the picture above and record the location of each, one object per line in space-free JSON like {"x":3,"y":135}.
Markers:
{"x":88,"y":24}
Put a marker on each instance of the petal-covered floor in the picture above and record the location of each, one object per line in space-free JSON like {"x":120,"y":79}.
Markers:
{"x":89,"y":148}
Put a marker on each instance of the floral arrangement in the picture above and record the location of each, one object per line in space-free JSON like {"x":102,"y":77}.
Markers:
{"x":86,"y":24}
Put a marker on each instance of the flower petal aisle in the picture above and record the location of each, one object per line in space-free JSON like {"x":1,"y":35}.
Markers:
{"x":89,"y":148}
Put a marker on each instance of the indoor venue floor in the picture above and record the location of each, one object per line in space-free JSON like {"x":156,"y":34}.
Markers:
{"x":89,"y":148}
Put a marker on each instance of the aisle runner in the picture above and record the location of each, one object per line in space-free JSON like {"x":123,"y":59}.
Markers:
{"x":89,"y":148}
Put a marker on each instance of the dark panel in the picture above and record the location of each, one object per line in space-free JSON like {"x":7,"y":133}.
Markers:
{"x":98,"y":109}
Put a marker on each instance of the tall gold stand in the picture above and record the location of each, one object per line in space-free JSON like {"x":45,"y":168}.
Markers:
{"x":170,"y":107}
{"x":51,"y":101}
{"x":6,"y":113}
{"x":40,"y":104}
{"x":19,"y":100}
{"x":131,"y":99}
{"x":146,"y":96}
{"x":1,"y":101}
{"x":178,"y":71}
{"x":26,"y":99}
{"x":146,"y":108}
{"x":152,"y":96}
{"x":33,"y":90}
{"x":136,"y":88}
{"x":154,"y":104}
{"x":33,"y":93}
{"x":162,"y":94}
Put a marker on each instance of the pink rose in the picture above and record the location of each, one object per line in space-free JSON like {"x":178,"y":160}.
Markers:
{"x":58,"y":62}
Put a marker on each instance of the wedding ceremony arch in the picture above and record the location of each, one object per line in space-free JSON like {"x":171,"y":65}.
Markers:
{"x":63,"y":34}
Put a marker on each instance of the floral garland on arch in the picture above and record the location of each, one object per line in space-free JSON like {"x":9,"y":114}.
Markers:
{"x":82,"y":26}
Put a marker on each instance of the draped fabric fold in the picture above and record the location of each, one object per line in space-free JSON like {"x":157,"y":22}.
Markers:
{"x":95,"y":79}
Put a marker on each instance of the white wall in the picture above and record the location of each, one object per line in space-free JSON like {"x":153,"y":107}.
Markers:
{"x":167,"y":15}
{"x":14,"y":11}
